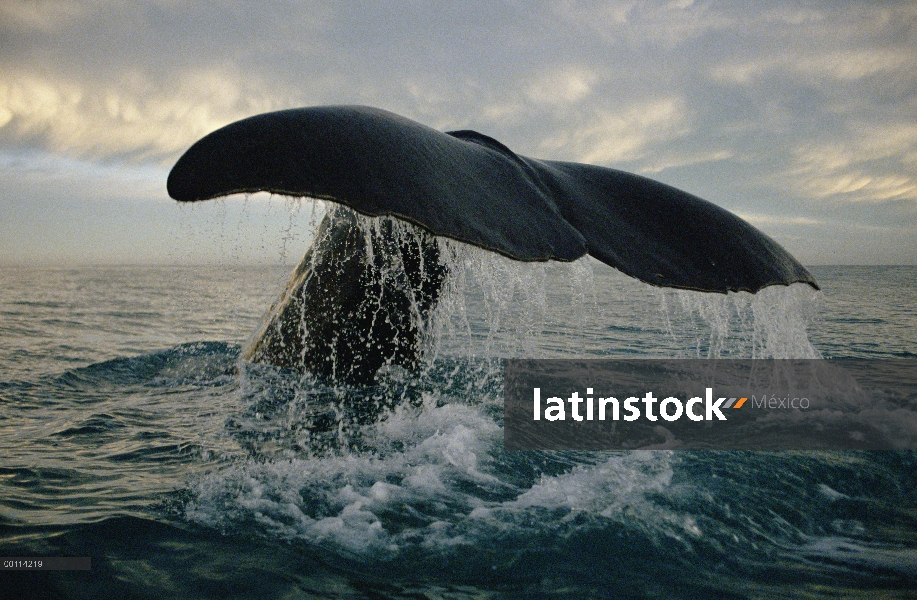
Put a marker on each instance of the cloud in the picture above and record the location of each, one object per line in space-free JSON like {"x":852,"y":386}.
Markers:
{"x":760,"y":220}
{"x":137,"y":120}
{"x":562,"y":85}
{"x":624,"y":135}
{"x":785,"y":107}
{"x":875,"y":164}
{"x":844,"y":65}
{"x":670,"y":24}
{"x":41,"y":15}
{"x":671,"y":160}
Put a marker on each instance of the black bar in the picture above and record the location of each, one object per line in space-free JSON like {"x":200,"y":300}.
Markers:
{"x":46,"y":563}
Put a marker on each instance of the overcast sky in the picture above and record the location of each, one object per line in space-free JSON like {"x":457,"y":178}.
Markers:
{"x":799,"y":116}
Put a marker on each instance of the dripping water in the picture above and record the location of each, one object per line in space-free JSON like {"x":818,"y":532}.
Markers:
{"x":431,"y":473}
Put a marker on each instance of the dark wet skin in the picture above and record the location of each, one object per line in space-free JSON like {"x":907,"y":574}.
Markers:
{"x":339,"y":321}
{"x":345,"y":314}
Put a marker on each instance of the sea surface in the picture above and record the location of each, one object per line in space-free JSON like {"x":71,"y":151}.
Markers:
{"x":131,"y":432}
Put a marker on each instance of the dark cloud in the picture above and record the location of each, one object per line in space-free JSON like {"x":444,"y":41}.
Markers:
{"x":787,"y":110}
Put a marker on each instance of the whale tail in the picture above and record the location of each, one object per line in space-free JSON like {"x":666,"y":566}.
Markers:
{"x":461,"y":185}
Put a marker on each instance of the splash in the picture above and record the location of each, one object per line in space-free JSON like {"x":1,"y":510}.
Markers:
{"x":442,"y":298}
{"x":770,"y":324}
{"x":426,"y":470}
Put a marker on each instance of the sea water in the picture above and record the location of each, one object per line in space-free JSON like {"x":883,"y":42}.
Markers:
{"x":130,"y":432}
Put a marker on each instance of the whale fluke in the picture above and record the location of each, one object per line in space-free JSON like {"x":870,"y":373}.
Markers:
{"x":470,"y":187}
{"x":461,"y":185}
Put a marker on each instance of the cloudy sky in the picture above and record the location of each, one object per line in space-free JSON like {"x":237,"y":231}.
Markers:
{"x":799,"y":116}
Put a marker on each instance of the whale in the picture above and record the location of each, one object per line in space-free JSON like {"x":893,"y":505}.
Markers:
{"x":361,"y":297}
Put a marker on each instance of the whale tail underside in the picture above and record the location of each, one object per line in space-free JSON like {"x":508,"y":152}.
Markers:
{"x":470,"y":187}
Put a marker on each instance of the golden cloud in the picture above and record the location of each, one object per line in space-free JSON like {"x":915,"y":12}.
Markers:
{"x":136,"y":119}
{"x":613,"y":136}
{"x":874,"y":165}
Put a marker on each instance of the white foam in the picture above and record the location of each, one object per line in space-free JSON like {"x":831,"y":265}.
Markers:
{"x":439,"y":464}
